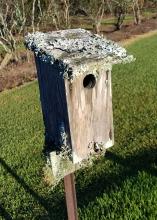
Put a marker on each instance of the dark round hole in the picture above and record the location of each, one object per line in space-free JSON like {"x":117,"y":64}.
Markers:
{"x":89,"y":81}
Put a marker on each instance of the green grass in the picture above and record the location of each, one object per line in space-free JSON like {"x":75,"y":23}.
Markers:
{"x":87,"y":23}
{"x":123,"y":185}
{"x":112,"y":20}
{"x":128,"y":18}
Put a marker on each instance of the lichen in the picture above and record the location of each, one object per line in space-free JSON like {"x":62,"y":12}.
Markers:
{"x":61,"y":163}
{"x":65,"y":160}
{"x":74,"y":47}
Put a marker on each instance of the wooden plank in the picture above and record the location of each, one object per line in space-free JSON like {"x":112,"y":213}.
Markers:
{"x":90,"y":114}
{"x":54,"y":105}
{"x":75,"y":116}
{"x":70,"y":193}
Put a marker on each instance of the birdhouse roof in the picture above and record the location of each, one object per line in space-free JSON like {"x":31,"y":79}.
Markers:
{"x":75,"y":46}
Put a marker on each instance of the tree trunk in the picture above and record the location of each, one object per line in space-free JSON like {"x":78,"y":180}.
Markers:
{"x":6,"y":60}
{"x":120,"y":13}
{"x":137,"y":17}
{"x":96,"y":27}
{"x":120,"y":21}
{"x":137,"y":13}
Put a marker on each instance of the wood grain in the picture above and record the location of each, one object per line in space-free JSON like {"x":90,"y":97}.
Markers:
{"x":80,"y":111}
{"x":90,"y":114}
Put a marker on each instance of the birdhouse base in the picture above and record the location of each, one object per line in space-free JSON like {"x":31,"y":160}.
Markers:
{"x":61,"y":164}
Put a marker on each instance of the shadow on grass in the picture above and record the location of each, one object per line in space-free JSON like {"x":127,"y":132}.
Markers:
{"x":128,"y":167}
{"x":107,"y":180}
{"x":4,"y":213}
{"x":143,"y":161}
{"x":54,"y":206}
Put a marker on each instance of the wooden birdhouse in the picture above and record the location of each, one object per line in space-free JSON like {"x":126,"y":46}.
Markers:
{"x":74,"y":73}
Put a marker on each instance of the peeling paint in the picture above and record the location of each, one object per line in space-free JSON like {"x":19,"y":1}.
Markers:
{"x":109,"y":144}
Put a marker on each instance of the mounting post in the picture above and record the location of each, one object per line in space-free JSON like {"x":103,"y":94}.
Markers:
{"x":70,"y":194}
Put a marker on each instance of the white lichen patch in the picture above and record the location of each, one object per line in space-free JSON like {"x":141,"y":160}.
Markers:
{"x":109,"y":144}
{"x":95,"y":67}
{"x":74,"y":47}
{"x":76,"y":158}
{"x":60,"y":164}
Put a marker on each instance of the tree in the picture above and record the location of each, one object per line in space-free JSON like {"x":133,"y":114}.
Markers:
{"x":36,"y":10}
{"x":58,"y":12}
{"x":120,"y":11}
{"x":110,"y":6}
{"x":136,"y":6}
{"x":13,"y":18}
{"x":12,"y":21}
{"x":95,"y":10}
{"x":66,"y":12}
{"x":99,"y":16}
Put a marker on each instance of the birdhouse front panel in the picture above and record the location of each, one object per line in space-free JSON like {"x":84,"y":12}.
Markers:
{"x":89,"y":100}
{"x":74,"y":73}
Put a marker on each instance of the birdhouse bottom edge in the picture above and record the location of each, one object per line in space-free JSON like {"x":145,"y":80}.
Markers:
{"x":61,"y":164}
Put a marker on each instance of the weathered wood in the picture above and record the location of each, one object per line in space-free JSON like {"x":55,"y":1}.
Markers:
{"x":90,"y":114}
{"x":74,"y":72}
{"x":70,"y":193}
{"x":74,"y":115}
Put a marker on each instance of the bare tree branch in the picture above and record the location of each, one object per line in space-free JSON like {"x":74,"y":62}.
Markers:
{"x":33,"y":15}
{"x":12,"y":22}
{"x":136,"y":11}
{"x":98,"y":17}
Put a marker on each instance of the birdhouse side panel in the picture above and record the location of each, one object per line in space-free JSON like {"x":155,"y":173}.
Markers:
{"x":54,"y":105}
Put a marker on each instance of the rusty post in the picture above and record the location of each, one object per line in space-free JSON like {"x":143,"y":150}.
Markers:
{"x":70,"y":194}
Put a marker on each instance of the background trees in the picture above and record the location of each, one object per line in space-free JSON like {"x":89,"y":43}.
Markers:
{"x":20,"y":16}
{"x":137,"y":6}
{"x":120,"y":8}
{"x":95,"y":10}
{"x":12,"y":23}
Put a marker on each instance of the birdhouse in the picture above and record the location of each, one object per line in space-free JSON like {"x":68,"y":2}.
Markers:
{"x":74,"y":73}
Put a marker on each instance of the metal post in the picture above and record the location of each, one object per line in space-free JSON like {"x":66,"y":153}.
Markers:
{"x":70,"y":193}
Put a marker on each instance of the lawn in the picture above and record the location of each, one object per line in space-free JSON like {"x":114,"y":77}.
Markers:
{"x":86,"y":22}
{"x":123,"y":185}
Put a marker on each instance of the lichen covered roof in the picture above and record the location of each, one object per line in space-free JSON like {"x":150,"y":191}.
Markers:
{"x":75,"y":46}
